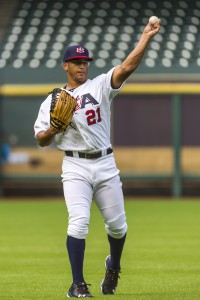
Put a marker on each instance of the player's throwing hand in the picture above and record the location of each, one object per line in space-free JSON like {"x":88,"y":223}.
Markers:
{"x":153,"y":26}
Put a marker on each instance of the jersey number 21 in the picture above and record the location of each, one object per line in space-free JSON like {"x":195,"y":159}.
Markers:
{"x":93,"y":116}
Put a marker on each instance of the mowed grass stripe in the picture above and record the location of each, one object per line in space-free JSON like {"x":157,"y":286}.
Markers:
{"x":161,"y":258}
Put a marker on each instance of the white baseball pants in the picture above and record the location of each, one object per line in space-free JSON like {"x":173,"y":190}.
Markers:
{"x":85,"y":180}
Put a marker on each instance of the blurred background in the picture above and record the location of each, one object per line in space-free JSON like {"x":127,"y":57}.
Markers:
{"x":155,"y":119}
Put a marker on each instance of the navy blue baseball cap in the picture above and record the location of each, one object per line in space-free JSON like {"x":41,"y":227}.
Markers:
{"x":76,"y":52}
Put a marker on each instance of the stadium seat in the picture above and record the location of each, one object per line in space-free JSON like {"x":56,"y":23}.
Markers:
{"x":40,"y":31}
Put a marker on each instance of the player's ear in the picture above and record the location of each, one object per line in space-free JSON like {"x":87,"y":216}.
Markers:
{"x":65,"y":66}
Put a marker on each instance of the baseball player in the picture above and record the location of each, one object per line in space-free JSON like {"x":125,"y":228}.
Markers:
{"x":89,"y":171}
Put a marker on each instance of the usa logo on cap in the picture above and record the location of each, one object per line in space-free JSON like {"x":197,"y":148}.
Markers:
{"x":76,"y":52}
{"x":80,"y":50}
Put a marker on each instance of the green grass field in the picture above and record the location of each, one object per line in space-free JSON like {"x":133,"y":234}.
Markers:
{"x":161,"y":258}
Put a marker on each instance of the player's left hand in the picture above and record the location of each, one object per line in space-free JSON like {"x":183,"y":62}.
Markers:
{"x":62,"y":108}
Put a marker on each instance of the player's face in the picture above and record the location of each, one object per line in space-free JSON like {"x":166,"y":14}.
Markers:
{"x":77,"y":70}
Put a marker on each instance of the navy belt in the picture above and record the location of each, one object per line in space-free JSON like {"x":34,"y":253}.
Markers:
{"x":93,"y":155}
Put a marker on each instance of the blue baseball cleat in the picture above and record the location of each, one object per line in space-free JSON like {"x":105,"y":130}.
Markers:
{"x":110,"y":281}
{"x":79,"y":290}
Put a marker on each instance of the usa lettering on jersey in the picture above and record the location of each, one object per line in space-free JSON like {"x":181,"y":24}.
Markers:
{"x":83,"y":100}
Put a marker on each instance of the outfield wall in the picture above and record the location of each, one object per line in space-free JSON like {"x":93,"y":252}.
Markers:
{"x":154,"y":133}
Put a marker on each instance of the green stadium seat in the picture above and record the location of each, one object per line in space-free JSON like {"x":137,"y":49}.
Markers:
{"x":40,"y":31}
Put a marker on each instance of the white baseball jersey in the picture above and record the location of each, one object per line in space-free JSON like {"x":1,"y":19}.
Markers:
{"x":90,"y":126}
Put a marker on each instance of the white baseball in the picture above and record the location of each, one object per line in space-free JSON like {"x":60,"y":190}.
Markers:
{"x":153,"y":20}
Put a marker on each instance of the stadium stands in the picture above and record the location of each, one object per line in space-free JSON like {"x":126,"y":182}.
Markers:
{"x":40,"y":31}
{"x":31,"y":51}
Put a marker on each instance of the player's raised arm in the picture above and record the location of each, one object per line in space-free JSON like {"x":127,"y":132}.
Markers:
{"x":130,"y":64}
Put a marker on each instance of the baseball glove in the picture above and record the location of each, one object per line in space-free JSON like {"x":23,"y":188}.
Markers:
{"x":61,"y":110}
